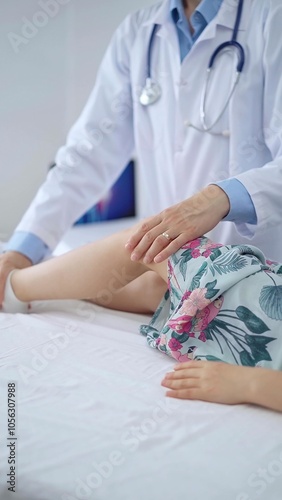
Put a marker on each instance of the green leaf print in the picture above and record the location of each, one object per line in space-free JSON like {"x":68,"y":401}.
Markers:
{"x":165,"y":329}
{"x":156,"y":335}
{"x":254,"y":262}
{"x":216,"y":252}
{"x":271,"y":301}
{"x":246,"y":359}
{"x":252,"y":322}
{"x":213,"y":358}
{"x":208,"y":333}
{"x":196,"y":280}
{"x":229,"y":263}
{"x":183,"y":268}
{"x":258,"y":345}
{"x":211,"y":290}
{"x":175,"y":292}
{"x":279,"y":270}
{"x":185,"y":257}
{"x":174,"y":259}
{"x":245,"y":348}
{"x":158,"y":312}
{"x":181,"y":338}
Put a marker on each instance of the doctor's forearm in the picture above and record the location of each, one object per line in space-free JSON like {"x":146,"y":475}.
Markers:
{"x":242,"y":208}
{"x":29,"y":245}
{"x":213,"y":197}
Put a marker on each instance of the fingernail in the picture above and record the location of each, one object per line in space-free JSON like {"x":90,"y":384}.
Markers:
{"x":157,"y":259}
{"x":134,"y":257}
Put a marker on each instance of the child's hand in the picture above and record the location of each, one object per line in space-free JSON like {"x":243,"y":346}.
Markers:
{"x":210,"y":381}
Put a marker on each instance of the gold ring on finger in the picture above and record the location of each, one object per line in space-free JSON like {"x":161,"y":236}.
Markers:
{"x":166,"y":235}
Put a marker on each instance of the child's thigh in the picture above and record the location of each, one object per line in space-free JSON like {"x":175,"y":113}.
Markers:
{"x":141,"y":295}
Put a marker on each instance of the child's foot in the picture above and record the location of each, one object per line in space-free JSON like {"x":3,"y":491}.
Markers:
{"x":11,"y":303}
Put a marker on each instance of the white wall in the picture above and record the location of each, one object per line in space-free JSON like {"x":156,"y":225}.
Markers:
{"x":44,"y":82}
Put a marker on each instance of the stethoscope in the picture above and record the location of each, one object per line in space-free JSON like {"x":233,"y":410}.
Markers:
{"x":152,"y":91}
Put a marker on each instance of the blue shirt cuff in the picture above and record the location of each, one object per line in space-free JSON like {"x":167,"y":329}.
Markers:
{"x":29,"y":245}
{"x":241,"y":206}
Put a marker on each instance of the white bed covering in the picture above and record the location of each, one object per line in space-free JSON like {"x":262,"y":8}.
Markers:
{"x":89,"y":386}
{"x":89,"y":393}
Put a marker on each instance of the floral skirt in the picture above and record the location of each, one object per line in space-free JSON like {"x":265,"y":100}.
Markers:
{"x":223,"y":303}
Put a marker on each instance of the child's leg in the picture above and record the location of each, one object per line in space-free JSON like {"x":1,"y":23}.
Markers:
{"x":96,"y":271}
{"x":142,"y":295}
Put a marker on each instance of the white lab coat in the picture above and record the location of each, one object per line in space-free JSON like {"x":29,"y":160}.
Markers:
{"x":174,"y":161}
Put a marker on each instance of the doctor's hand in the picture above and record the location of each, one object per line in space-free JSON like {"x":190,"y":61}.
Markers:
{"x":9,"y":261}
{"x":162,"y":235}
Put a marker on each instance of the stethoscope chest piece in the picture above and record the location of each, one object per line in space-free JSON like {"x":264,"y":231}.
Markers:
{"x":151,"y":93}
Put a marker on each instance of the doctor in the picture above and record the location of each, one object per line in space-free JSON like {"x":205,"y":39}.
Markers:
{"x":209,"y":144}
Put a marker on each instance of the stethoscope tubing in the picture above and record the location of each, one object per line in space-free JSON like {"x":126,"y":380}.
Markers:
{"x":152,"y":91}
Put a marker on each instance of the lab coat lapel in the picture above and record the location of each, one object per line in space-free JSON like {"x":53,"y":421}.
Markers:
{"x":226,"y":18}
{"x":166,"y":28}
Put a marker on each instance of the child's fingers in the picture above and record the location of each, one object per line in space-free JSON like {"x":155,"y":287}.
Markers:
{"x":192,"y":394}
{"x":189,"y":365}
{"x":182,"y":374}
{"x":183,"y":383}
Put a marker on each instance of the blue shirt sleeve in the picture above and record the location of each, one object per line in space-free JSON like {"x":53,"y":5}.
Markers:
{"x":29,"y":245}
{"x":241,"y":206}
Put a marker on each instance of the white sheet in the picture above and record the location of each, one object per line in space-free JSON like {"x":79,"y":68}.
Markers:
{"x":98,"y":392}
{"x":89,"y":386}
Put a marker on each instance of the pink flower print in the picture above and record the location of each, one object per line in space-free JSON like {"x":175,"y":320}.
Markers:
{"x":213,"y":309}
{"x":196,"y":253}
{"x":197,"y":301}
{"x":176,"y":355}
{"x":218,"y":302}
{"x":174,"y":345}
{"x":201,"y":320}
{"x":208,"y":314}
{"x":204,"y":317}
{"x":181,"y":325}
{"x":195,"y":243}
{"x":210,"y":245}
{"x":271,"y":263}
{"x":186,"y":295}
{"x":202,"y":244}
{"x":158,"y":341}
{"x":162,"y":339}
{"x":202,"y":337}
{"x":192,"y":244}
{"x":207,"y":253}
{"x":183,"y":358}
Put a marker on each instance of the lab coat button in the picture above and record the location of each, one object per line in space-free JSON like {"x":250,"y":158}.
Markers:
{"x":181,"y":83}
